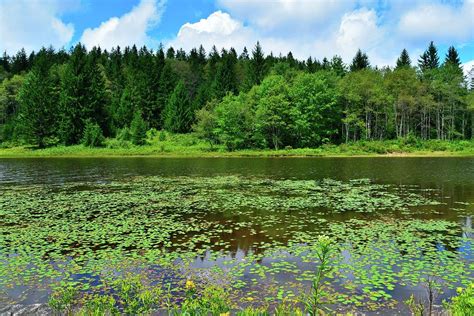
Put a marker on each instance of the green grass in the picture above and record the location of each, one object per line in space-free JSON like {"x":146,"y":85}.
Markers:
{"x":189,"y":145}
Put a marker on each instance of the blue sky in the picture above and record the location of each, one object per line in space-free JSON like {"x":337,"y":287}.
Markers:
{"x":306,"y":27}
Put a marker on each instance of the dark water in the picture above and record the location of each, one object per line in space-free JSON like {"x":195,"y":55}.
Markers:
{"x":453,"y":178}
{"x":438,"y":172}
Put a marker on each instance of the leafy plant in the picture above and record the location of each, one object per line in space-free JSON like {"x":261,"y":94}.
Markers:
{"x":92,"y":135}
{"x":324,"y":249}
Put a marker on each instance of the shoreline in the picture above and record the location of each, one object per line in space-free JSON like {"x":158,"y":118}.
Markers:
{"x":57,"y":152}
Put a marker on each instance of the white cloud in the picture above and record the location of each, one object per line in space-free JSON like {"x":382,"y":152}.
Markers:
{"x":356,"y":29}
{"x":218,"y":29}
{"x":32,"y":24}
{"x":129,"y":29}
{"x":439,"y":22}
{"x":467,"y":67}
{"x":279,"y":14}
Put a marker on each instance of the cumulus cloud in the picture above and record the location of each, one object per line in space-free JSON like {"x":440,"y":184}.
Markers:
{"x":323,"y":28}
{"x":271,"y":15}
{"x":218,"y":29}
{"x":356,"y":29}
{"x":129,"y":29}
{"x":437,"y":21}
{"x":32,"y":24}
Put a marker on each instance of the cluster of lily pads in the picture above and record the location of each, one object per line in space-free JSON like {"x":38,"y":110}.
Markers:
{"x":254,"y":237}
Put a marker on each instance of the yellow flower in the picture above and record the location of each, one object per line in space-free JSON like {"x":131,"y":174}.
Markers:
{"x":249,"y":299}
{"x":224,"y":314}
{"x":459,"y":290}
{"x":190,"y":285}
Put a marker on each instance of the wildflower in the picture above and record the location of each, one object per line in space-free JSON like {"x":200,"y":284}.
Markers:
{"x":190,"y":285}
{"x":224,"y":314}
{"x":250,"y":299}
{"x":459,"y":290}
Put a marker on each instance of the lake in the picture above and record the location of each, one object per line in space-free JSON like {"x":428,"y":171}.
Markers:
{"x":250,"y":225}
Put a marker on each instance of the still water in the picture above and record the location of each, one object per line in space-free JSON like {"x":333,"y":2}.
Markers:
{"x":449,"y":181}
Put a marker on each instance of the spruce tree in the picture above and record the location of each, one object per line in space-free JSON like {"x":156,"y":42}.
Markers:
{"x":226,"y":78}
{"x":38,"y":100}
{"x":403,"y":60}
{"x":360,"y":61}
{"x":245,"y":54}
{"x":257,"y":65}
{"x":83,"y":95}
{"x":168,"y":79}
{"x":429,"y":59}
{"x":138,"y":129}
{"x":452,"y":61}
{"x":338,"y":66}
{"x":178,"y":116}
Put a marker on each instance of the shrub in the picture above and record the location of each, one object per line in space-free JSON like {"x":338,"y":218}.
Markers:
{"x":92,"y":135}
{"x":124,"y":134}
{"x":463,"y":303}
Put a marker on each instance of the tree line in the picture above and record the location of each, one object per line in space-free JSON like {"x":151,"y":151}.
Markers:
{"x":247,"y":100}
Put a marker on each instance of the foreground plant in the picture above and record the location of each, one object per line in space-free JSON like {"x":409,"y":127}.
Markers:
{"x":324,"y":250}
{"x":463,"y":303}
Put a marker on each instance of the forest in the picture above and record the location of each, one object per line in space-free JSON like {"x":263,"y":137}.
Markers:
{"x":241,"y":101}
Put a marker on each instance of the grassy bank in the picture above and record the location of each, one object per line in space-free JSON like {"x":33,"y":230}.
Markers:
{"x":169,"y":145}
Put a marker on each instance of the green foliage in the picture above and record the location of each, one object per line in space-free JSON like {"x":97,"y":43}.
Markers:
{"x":324,"y":250}
{"x":50,"y":96}
{"x":62,"y":300}
{"x":463,"y":303}
{"x":178,"y":112}
{"x":92,"y":135}
{"x":38,"y":99}
{"x":138,"y":130}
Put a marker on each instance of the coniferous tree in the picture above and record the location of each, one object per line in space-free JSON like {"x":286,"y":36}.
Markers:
{"x":245,"y":54}
{"x":5,"y":62}
{"x":178,"y":116}
{"x":82,"y":95}
{"x":19,"y":62}
{"x":360,"y":61}
{"x":429,"y":59}
{"x":403,"y":60}
{"x":225,"y":80}
{"x":168,"y":80}
{"x":138,"y":129}
{"x":38,"y":99}
{"x":170,"y":53}
{"x":257,"y":65}
{"x":453,"y":62}
{"x":338,"y":66}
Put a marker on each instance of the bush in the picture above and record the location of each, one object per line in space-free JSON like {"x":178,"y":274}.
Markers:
{"x":92,"y":135}
{"x":124,"y":134}
{"x":118,"y":144}
{"x":463,"y":303}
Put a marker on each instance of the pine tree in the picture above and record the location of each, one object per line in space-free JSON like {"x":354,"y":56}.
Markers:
{"x":403,"y":60}
{"x":360,"y":61}
{"x":5,"y":62}
{"x":245,"y":54}
{"x":453,"y":62}
{"x":19,"y":62}
{"x":167,"y":84}
{"x":138,"y":129}
{"x":170,"y":53}
{"x":429,"y":59}
{"x":257,"y":65}
{"x":38,"y":99}
{"x":178,"y":116}
{"x":82,"y":97}
{"x":338,"y":66}
{"x":226,"y":78}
